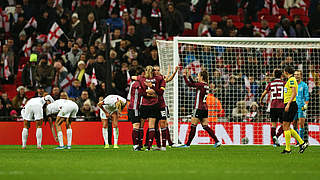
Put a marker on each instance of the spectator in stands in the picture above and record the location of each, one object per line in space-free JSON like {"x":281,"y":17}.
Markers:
{"x":203,"y":29}
{"x":219,"y":32}
{"x":190,"y":54}
{"x":92,"y":54}
{"x":39,"y":91}
{"x":253,"y":88}
{"x":75,"y":90}
{"x":84,"y":10}
{"x":144,"y":30}
{"x":55,"y":94}
{"x":84,"y":96}
{"x":73,"y":57}
{"x":131,"y":54}
{"x":133,"y":38}
{"x":263,"y":31}
{"x":121,"y":80}
{"x":173,"y":21}
{"x":92,"y":91}
{"x":87,"y":111}
{"x":43,"y":23}
{"x":100,"y":11}
{"x":253,"y":115}
{"x":76,"y":27}
{"x":20,"y":99}
{"x":28,"y":76}
{"x":229,"y":27}
{"x":127,"y":21}
{"x":239,"y":112}
{"x":247,"y":30}
{"x":285,"y":30}
{"x":300,"y":29}
{"x":3,"y":111}
{"x":7,"y":61}
{"x":100,"y":68}
{"x":80,"y":74}
{"x":213,"y":28}
{"x":18,"y":26}
{"x":114,"y":21}
{"x":44,"y":74}
{"x":61,"y":73}
{"x":218,"y":83}
{"x":252,"y":66}
{"x":6,"y":102}
{"x":28,"y":9}
{"x":250,"y":10}
{"x":88,"y":30}
{"x":156,"y":18}
{"x":314,"y":23}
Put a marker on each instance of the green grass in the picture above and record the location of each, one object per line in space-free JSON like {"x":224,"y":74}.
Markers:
{"x":198,"y":162}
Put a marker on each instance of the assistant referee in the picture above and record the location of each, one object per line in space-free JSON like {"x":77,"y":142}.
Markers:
{"x":290,"y":111}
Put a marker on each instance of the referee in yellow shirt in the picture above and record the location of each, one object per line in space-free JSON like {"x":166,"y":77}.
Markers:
{"x":291,"y":109}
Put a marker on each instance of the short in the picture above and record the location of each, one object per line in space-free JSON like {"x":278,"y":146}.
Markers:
{"x":69,"y":110}
{"x":164,"y":113}
{"x":289,"y":116}
{"x":133,"y":116}
{"x":32,"y":113}
{"x":276,"y":114}
{"x":200,"y":114}
{"x":108,"y":109}
{"x":149,"y":111}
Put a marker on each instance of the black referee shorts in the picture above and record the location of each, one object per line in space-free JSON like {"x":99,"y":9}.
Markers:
{"x":276,"y":114}
{"x":289,"y":116}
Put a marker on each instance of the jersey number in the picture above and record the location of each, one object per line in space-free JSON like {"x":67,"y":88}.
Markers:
{"x":277,"y":90}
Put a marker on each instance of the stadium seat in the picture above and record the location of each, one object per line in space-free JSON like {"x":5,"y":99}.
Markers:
{"x":263,"y":12}
{"x":238,"y":25}
{"x":271,"y":18}
{"x":297,"y":11}
{"x":283,"y":12}
{"x":196,"y":26}
{"x":234,"y":18}
{"x":256,"y":24}
{"x":305,"y":20}
{"x":215,"y":18}
{"x":190,"y":33}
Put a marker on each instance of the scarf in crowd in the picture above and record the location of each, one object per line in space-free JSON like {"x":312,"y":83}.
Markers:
{"x":156,"y":13}
{"x":80,"y":74}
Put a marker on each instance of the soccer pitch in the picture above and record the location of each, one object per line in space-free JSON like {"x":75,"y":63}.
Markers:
{"x":198,"y":162}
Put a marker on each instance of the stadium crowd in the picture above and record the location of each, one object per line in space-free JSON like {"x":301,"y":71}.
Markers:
{"x":86,"y":48}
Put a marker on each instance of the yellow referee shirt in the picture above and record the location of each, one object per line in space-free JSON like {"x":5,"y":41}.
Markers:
{"x":292,"y":82}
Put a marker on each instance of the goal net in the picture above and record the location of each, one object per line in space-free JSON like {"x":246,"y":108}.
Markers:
{"x":239,"y":70}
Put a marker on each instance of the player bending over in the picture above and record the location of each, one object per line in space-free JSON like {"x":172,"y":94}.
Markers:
{"x":275,"y":87}
{"x":66,"y":110}
{"x":302,"y":101}
{"x":33,"y":111}
{"x":291,"y":108}
{"x":111,"y":106}
{"x":200,"y":113}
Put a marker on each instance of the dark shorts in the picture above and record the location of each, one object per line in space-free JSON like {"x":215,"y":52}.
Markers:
{"x":200,"y":114}
{"x":133,"y":116}
{"x":149,"y":111}
{"x":164,"y":113}
{"x":289,"y":116}
{"x":276,"y":114}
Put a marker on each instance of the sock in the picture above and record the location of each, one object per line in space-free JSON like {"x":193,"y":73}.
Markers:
{"x":280,"y":131}
{"x":135,"y":136}
{"x":273,"y":131}
{"x":191,"y":134}
{"x":287,"y":135}
{"x":168,"y":136}
{"x":69,"y":136}
{"x":140,"y":137}
{"x":301,"y":133}
{"x":157,"y":137}
{"x":164,"y":136}
{"x":115,"y":135}
{"x":296,"y":136}
{"x":151,"y":136}
{"x":105,"y":135}
{"x":60,"y":138}
{"x":211,"y":133}
{"x":147,"y":138}
{"x":24,"y":137}
{"x":39,"y":136}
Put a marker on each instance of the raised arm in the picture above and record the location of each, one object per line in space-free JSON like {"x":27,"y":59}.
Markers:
{"x":169,"y":78}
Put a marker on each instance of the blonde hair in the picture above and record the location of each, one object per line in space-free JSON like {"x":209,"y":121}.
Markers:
{"x":149,"y":72}
{"x":119,"y":105}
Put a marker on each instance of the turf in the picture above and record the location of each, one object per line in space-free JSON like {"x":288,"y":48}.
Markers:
{"x":198,"y":162}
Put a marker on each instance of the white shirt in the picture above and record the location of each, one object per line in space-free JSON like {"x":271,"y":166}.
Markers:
{"x":36,"y":101}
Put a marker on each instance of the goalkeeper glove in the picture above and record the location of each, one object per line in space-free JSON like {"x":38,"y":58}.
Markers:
{"x":305,"y":107}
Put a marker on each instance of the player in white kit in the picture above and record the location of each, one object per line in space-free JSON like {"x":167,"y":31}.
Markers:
{"x":111,"y":106}
{"x":65,"y":110}
{"x":33,"y":111}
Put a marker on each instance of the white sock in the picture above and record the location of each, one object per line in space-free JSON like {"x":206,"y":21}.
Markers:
{"x":60,"y":138}
{"x":39,"y":136}
{"x":69,"y":136}
{"x":105,"y":135}
{"x":115,"y":135}
{"x":24,"y":137}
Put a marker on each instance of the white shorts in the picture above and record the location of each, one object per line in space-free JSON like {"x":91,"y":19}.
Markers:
{"x":68,"y":111}
{"x":109,"y":110}
{"x":32,"y":113}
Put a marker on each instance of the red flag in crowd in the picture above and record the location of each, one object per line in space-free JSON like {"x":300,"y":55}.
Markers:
{"x":4,"y":20}
{"x":94,"y":27}
{"x":92,"y":78}
{"x":32,"y":22}
{"x":27,"y":48}
{"x":67,"y":82}
{"x":42,"y":38}
{"x":54,"y":34}
{"x":56,"y":2}
{"x":208,"y":8}
{"x":113,"y":4}
{"x":205,"y":32}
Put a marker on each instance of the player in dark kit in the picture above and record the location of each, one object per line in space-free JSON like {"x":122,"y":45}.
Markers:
{"x":134,"y":97}
{"x":200,"y":113}
{"x":275,"y":87}
{"x":149,"y":109}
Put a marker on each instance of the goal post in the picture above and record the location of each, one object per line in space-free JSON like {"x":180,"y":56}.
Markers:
{"x":239,"y":70}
